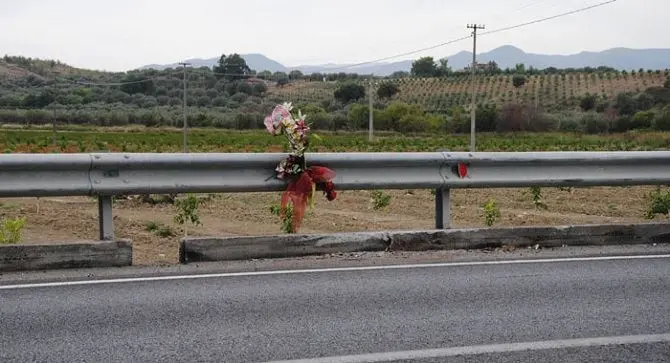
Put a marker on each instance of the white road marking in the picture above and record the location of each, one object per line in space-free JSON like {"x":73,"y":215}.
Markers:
{"x":487,"y":349}
{"x":330,"y":269}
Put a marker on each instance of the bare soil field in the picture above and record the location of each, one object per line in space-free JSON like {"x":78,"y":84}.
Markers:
{"x":75,"y":218}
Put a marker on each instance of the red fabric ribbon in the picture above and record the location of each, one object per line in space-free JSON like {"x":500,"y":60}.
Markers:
{"x":299,"y":191}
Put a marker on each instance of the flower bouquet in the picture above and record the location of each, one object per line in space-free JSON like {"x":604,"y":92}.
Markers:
{"x":303,"y":181}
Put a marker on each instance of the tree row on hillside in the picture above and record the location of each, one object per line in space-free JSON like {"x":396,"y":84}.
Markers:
{"x":432,"y":98}
{"x":628,"y":111}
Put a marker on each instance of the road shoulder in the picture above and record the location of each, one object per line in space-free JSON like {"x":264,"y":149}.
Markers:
{"x":336,"y":260}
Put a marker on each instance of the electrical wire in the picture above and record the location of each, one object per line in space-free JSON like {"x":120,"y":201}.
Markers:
{"x":401,"y":54}
{"x":111,"y":84}
{"x":547,"y":18}
{"x":469,"y":36}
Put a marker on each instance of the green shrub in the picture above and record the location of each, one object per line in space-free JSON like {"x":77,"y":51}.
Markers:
{"x":594,"y":123}
{"x":11,"y":230}
{"x":622,"y":123}
{"x":643,"y":120}
{"x":319,"y":120}
{"x":359,"y":116}
{"x":413,"y":123}
{"x":568,"y":123}
{"x":380,"y":200}
{"x":187,"y":211}
{"x":383,"y":121}
{"x":486,"y":118}
{"x":662,"y":119}
{"x":287,"y":220}
{"x":339,"y":121}
{"x":436,"y":123}
{"x":588,"y":102}
{"x":659,"y":203}
{"x":491,"y":212}
{"x":536,"y":194}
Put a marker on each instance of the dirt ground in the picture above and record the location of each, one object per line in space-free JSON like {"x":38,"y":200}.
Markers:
{"x":75,"y":218}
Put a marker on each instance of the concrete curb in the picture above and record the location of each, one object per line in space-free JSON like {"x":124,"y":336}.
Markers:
{"x":197,"y":249}
{"x":276,"y":246}
{"x":21,"y":257}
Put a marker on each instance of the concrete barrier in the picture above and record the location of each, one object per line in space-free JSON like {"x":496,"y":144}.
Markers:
{"x":21,"y":257}
{"x":195,"y":249}
{"x":248,"y":247}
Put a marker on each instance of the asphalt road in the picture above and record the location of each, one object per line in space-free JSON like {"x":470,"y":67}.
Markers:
{"x":567,"y":311}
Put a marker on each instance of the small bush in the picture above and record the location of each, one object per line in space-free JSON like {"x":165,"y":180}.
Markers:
{"x":11,"y":230}
{"x":187,"y":211}
{"x":662,"y":119}
{"x":491,"y":212}
{"x":338,"y":122}
{"x":659,"y":203}
{"x":595,"y":123}
{"x":588,"y":102}
{"x":622,"y":124}
{"x":349,"y":92}
{"x":518,"y":81}
{"x":517,"y":117}
{"x":320,"y":120}
{"x":159,"y":229}
{"x":387,"y":90}
{"x":487,"y":118}
{"x":287,"y":221}
{"x":602,"y":106}
{"x":413,"y":123}
{"x":151,"y":226}
{"x":536,"y":193}
{"x":380,"y":200}
{"x":397,"y":110}
{"x":643,"y":120}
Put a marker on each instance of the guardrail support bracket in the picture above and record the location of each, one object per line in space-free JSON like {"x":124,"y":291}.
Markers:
{"x":442,"y":208}
{"x":105,"y":218}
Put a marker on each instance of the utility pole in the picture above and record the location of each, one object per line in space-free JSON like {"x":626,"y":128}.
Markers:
{"x":184,"y":64}
{"x":537,"y":91}
{"x":53,"y":126}
{"x":474,"y":28}
{"x":371,"y":111}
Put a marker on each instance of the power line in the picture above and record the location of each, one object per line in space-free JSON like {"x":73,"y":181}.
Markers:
{"x":108,"y":84}
{"x":466,"y":37}
{"x":497,"y":15}
{"x":401,"y":54}
{"x":547,"y":18}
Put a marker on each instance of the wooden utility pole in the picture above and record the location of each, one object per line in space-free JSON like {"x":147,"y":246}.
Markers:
{"x":184,"y":64}
{"x":371,"y":111}
{"x":473,"y":107}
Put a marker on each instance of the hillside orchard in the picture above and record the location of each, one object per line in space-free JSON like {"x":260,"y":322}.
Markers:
{"x":430,"y":98}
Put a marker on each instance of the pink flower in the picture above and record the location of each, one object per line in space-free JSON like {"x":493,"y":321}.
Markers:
{"x":300,"y":125}
{"x":270,"y":125}
{"x":301,"y":128}
{"x":273,"y":122}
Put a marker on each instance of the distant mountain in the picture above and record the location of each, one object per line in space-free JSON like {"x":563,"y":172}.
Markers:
{"x":506,"y":56}
{"x":618,"y":58}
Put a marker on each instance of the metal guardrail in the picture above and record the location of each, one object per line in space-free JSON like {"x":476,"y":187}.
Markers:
{"x":107,"y":174}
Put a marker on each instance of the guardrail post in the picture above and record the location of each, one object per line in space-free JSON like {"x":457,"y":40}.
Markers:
{"x":442,"y":208}
{"x":105,"y":218}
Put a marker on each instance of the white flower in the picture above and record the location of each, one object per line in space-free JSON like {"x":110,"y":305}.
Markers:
{"x":301,"y":116}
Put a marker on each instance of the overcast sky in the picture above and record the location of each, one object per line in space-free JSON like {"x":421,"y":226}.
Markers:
{"x":118,"y":35}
